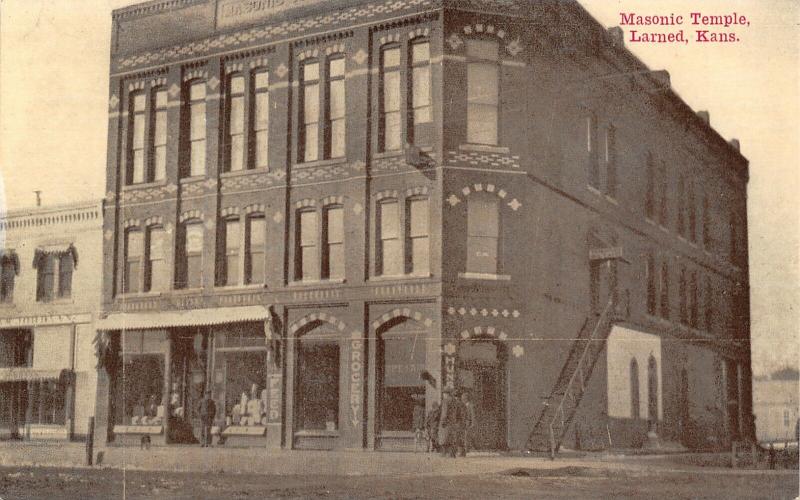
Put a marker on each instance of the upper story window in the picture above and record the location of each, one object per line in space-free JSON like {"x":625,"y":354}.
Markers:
{"x":681,"y":226}
{"x":483,"y":91}
{"x":592,"y":151}
{"x":483,"y":234}
{"x":158,"y":158}
{"x":255,"y":245}
{"x":335,"y":110}
{"x":235,"y":124}
{"x":610,"y":160}
{"x":390,"y":127}
{"x":664,"y":290}
{"x":134,"y":255}
{"x":231,"y":243}
{"x":308,"y":143}
{"x":194,"y":129}
{"x":650,"y":188}
{"x":418,"y":238}
{"x":663,"y":210}
{"x":333,"y":259}
{"x":708,"y":309}
{"x":136,"y":135}
{"x":694,"y":306}
{"x":189,"y":262}
{"x":156,"y":274}
{"x":705,"y":224}
{"x":8,"y":273}
{"x":683,"y":296}
{"x":54,"y":274}
{"x":389,"y":251}
{"x":307,"y":246}
{"x":421,"y":107}
{"x":652,"y":280}
{"x":260,"y":132}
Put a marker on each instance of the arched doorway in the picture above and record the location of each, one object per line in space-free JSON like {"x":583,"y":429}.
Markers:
{"x":316,"y":386}
{"x":482,"y":373}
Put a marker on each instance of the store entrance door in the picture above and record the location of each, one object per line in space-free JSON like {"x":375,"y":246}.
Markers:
{"x":188,"y":385}
{"x":482,"y":375}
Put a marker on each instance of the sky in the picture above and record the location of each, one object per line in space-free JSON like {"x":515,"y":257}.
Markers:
{"x":54,"y":62}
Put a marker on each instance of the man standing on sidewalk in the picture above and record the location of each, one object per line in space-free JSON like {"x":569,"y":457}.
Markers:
{"x":469,"y":421}
{"x":208,"y":411}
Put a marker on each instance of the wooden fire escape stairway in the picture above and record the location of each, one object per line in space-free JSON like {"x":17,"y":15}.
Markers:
{"x":562,"y":404}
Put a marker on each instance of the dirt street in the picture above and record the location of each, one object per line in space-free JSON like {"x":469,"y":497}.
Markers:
{"x":566,"y":482}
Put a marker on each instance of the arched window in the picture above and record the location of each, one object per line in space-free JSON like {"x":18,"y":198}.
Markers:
{"x":483,"y":234}
{"x":389,"y":251}
{"x":335,"y":109}
{"x":652,"y":389}
{"x":635,"y":400}
{"x":420,"y":103}
{"x":136,"y":142}
{"x":259,"y":136}
{"x":189,"y":265}
{"x":230,"y":244}
{"x":390,"y":126}
{"x":158,"y":155}
{"x":156,"y":275}
{"x":235,"y":121}
{"x":255,"y":249}
{"x":483,"y":91}
{"x":194,"y":129}
{"x":333,"y":242}
{"x":308,"y":142}
{"x":134,"y":253}
{"x":307,"y":247}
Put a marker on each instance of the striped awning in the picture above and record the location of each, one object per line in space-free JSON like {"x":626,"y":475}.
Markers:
{"x":24,"y":373}
{"x":190,"y":317}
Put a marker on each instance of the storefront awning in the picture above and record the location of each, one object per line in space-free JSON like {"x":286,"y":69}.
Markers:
{"x":24,"y":373}
{"x":192,"y":317}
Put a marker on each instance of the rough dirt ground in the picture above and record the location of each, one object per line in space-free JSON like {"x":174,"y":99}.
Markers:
{"x":566,"y":482}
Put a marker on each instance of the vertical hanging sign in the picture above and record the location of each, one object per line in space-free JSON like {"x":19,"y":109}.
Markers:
{"x":356,"y":378}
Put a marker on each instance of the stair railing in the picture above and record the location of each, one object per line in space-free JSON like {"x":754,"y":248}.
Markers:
{"x":559,"y":413}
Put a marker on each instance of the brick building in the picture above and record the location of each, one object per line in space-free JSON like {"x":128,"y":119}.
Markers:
{"x":313,"y":204}
{"x":48,"y":304}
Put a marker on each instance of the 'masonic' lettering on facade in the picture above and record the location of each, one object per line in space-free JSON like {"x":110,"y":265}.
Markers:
{"x":233,"y":12}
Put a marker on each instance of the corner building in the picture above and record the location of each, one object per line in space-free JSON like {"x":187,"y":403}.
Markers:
{"x":312,"y":205}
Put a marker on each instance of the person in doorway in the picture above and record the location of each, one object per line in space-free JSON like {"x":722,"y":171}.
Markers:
{"x":469,"y":421}
{"x":208,"y":411}
{"x":451,"y":425}
{"x":432,"y":426}
{"x":418,"y":420}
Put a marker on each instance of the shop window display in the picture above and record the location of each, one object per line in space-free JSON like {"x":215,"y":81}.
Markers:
{"x":140,"y":393}
{"x":402,"y":387}
{"x":318,"y":384}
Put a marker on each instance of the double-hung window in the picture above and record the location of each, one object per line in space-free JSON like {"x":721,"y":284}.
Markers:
{"x":418,"y":236}
{"x":389,"y":251}
{"x":309,"y":122}
{"x":335,"y":110}
{"x":307,"y":256}
{"x":390,"y":130}
{"x":483,"y":87}
{"x":610,"y":160}
{"x":8,"y":273}
{"x":705,"y":224}
{"x":333,"y":241}
{"x":255,"y":250}
{"x":421,"y":106}
{"x":195,"y":129}
{"x":593,"y":165}
{"x":136,"y":138}
{"x":652,"y":298}
{"x":158,"y":157}
{"x":650,"y":189}
{"x":692,"y":205}
{"x":156,"y":276}
{"x":134,"y":253}
{"x":232,"y":242}
{"x":483,"y":234}
{"x":664,"y":291}
{"x":189,"y":272}
{"x":663,"y":210}
{"x":681,"y":206}
{"x":235,"y":124}
{"x":259,"y":135}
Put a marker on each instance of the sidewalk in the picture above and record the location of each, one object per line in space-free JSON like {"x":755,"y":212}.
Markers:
{"x":290,"y":462}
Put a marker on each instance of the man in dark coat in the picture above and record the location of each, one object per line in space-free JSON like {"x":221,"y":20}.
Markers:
{"x":208,"y":411}
{"x":469,"y":421}
{"x":451,"y":424}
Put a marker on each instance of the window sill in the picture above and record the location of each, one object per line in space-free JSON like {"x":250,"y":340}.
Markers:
{"x":56,"y":302}
{"x":138,"y":295}
{"x":312,"y":283}
{"x":144,"y":185}
{"x":240,"y":288}
{"x":485,"y":276}
{"x":194,"y":178}
{"x":399,"y":277}
{"x":239,"y":173}
{"x":321,"y":163}
{"x":484,"y":148}
{"x":187,"y":291}
{"x":317,"y":433}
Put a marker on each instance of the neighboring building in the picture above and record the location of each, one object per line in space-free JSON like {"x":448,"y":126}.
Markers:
{"x":49,"y":297}
{"x":310,"y":204}
{"x":776,"y":406}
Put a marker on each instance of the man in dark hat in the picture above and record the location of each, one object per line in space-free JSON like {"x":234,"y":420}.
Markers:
{"x":451,"y":427}
{"x":208,"y":411}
